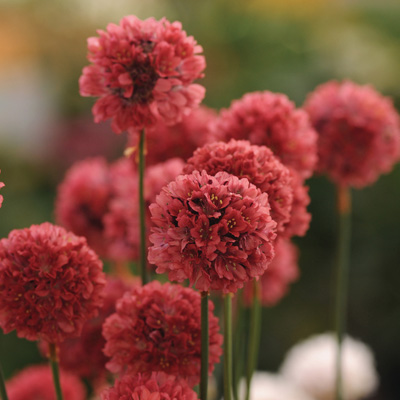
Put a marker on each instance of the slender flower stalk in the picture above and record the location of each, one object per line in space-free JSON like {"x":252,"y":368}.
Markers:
{"x":3,"y":392}
{"x":228,"y":346}
{"x":204,"y":346}
{"x":142,"y":206}
{"x":238,"y":348}
{"x":55,"y":370}
{"x":254,"y":336}
{"x":343,"y":256}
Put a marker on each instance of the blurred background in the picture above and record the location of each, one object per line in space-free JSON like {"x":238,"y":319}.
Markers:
{"x":287,"y":46}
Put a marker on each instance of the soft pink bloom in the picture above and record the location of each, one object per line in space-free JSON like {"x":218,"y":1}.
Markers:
{"x":157,"y":328}
{"x":282,"y":271}
{"x":257,"y":164}
{"x":84,"y":355}
{"x":149,"y":386}
{"x":180,"y":140}
{"x":359,"y":132}
{"x":36,"y":382}
{"x":1,"y":197}
{"x":216,"y":231}
{"x":50,"y":283}
{"x":142,"y":70}
{"x":271,"y":119}
{"x":83,"y":199}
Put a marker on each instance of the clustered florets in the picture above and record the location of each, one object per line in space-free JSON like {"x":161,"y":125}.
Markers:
{"x":215,"y":231}
{"x":157,"y":328}
{"x":143,"y":70}
{"x":51,"y":283}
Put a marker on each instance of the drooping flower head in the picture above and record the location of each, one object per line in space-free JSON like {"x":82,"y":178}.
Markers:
{"x":149,"y":386}
{"x":164,"y":142}
{"x":216,"y":231}
{"x":310,"y":365}
{"x":36,"y":382}
{"x":142,"y":70}
{"x":359,"y":132}
{"x":271,"y":119}
{"x":282,"y":271}
{"x":257,"y":164}
{"x":157,"y":328}
{"x":84,"y":355}
{"x":83,"y":199}
{"x":50,"y":283}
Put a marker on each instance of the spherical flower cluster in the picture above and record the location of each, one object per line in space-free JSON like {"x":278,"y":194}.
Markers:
{"x":36,"y":382}
{"x":282,"y":271}
{"x":359,"y":132}
{"x":84,"y":355}
{"x":271,"y":119}
{"x":267,"y":386}
{"x":154,"y":386}
{"x":142,"y":70}
{"x":164,"y":142}
{"x":83,"y":199}
{"x":50,"y":283}
{"x":311,"y":365}
{"x":157,"y":328}
{"x":257,"y":164}
{"x":215,"y":231}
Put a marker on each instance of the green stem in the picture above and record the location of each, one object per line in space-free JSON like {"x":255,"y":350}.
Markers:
{"x":3,"y":392}
{"x":55,"y":370}
{"x":142,"y":208}
{"x":204,"y":346}
{"x":343,"y":257}
{"x":254,"y":336}
{"x":238,"y":352}
{"x":228,"y":346}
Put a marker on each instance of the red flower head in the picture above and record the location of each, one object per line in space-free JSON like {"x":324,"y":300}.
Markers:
{"x":84,"y":355}
{"x":36,"y":382}
{"x":157,"y":328}
{"x":257,"y":164}
{"x":282,"y":271}
{"x":50,"y":283}
{"x":359,"y":132}
{"x":1,"y":197}
{"x":215,"y":231}
{"x":83,"y":199}
{"x":181,"y":140}
{"x":154,"y":386}
{"x":142,"y":70}
{"x":271,"y":119}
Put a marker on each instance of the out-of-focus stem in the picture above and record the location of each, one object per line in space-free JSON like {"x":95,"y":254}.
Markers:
{"x":342,"y":270}
{"x":228,"y":346}
{"x":238,"y":348}
{"x":204,"y":346}
{"x":55,"y":370}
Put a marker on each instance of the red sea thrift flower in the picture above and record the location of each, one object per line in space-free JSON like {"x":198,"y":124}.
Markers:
{"x":36,"y":382}
{"x":359,"y":132}
{"x":282,"y":271}
{"x":142,"y":70}
{"x":83,"y":199}
{"x":154,"y":386}
{"x":271,"y":119}
{"x":257,"y":164}
{"x":157,"y":328}
{"x":50,"y":283}
{"x":216,"y":231}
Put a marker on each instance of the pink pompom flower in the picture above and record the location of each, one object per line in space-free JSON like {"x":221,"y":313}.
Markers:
{"x":157,"y":328}
{"x":271,"y":119}
{"x":50,"y":283}
{"x":142,"y":70}
{"x":83,"y":199}
{"x":216,"y":231}
{"x":282,"y":271}
{"x":359,"y":132}
{"x":36,"y":382}
{"x":257,"y":164}
{"x":149,"y":386}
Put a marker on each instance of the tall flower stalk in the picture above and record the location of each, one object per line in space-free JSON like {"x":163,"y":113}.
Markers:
{"x":228,"y":346}
{"x":55,"y":370}
{"x":204,"y":346}
{"x":3,"y":391}
{"x":342,"y":270}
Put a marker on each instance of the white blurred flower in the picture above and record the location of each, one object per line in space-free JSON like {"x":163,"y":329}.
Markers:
{"x":266,"y":386}
{"x":311,"y":365}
